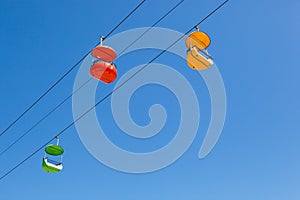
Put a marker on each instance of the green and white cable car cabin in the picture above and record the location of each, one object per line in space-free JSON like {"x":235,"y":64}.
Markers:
{"x":53,"y":150}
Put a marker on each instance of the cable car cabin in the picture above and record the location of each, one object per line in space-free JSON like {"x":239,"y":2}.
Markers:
{"x":53,"y":150}
{"x":104,"y":71}
{"x":51,"y":165}
{"x":104,"y":53}
{"x":198,"y":59}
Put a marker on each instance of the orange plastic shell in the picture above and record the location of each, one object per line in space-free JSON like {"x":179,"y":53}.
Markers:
{"x":104,"y":53}
{"x":198,"y":39}
{"x":104,"y":71}
{"x":197,"y":61}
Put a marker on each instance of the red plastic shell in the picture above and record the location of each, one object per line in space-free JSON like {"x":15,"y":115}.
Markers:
{"x":104,"y":53}
{"x":104,"y":71}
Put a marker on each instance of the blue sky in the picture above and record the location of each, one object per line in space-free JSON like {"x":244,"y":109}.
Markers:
{"x":256,"y":46}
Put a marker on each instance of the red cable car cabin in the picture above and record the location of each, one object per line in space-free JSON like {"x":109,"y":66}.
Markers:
{"x":104,"y":71}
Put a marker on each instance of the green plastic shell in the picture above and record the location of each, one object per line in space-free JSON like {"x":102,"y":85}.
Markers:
{"x":54,"y":150}
{"x":49,"y":168}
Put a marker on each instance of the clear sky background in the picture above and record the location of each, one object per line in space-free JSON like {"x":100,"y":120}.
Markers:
{"x":256,"y":45}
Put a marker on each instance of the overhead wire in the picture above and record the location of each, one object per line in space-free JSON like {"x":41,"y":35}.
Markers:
{"x":66,"y":73}
{"x":139,"y":5}
{"x":109,"y":94}
{"x":43,"y":118}
{"x":85,"y":83}
{"x":147,"y":30}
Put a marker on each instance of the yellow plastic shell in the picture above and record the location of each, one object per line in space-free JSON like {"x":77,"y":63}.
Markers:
{"x":197,"y":39}
{"x":197,"y":61}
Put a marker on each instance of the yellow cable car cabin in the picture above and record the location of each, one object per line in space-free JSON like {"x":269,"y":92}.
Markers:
{"x":197,"y":57}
